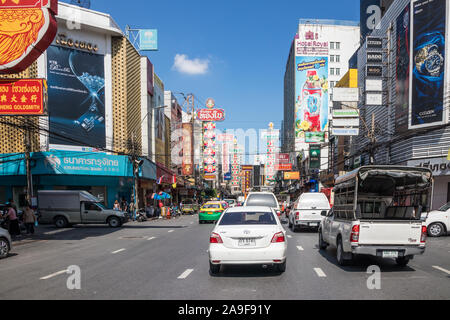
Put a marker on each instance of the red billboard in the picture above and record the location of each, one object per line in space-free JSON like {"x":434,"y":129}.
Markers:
{"x":27,"y":28}
{"x":284,"y":167}
{"x":216,"y":115}
{"x":283,"y":158}
{"x":25,"y":97}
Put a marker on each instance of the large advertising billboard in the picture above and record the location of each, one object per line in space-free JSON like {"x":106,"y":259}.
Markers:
{"x":370,"y":15}
{"x":311,"y":105}
{"x":402,"y":68}
{"x":427,"y":64}
{"x":76,"y":97}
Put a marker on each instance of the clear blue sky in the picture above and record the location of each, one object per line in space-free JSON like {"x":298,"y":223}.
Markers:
{"x":246,"y":42}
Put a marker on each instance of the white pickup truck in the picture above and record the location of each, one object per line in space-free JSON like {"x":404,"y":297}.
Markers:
{"x":377,"y":212}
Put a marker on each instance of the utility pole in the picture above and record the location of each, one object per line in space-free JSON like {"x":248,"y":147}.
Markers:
{"x":27,"y":143}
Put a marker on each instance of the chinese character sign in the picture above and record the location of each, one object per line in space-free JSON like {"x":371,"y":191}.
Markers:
{"x":209,"y":147}
{"x":23,"y":97}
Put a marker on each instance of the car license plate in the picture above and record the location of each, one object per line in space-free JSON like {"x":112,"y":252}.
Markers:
{"x":315,"y":224}
{"x":247,"y":242}
{"x":390,"y":254}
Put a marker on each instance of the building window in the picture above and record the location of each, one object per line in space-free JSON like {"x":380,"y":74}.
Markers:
{"x":332,"y":71}
{"x":338,"y":71}
{"x":331,"y":84}
{"x":331,"y":58}
{"x":338,"y":58}
{"x":338,"y":45}
{"x":332,"y":45}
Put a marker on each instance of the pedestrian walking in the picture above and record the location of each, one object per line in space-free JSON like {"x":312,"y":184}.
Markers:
{"x":29,"y":218}
{"x":132,"y":210}
{"x":124,"y":205}
{"x":14,"y":228}
{"x":116,"y":206}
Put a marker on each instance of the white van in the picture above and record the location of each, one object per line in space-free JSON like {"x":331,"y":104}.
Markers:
{"x":308,"y":210}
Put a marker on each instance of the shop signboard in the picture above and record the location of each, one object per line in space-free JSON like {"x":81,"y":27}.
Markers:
{"x":76,"y":80}
{"x":28,"y":27}
{"x":283,"y":158}
{"x":25,"y":97}
{"x":210,"y":177}
{"x":374,"y":85}
{"x":374,"y":57}
{"x":314,"y":137}
{"x":374,"y":43}
{"x":188,"y":154}
{"x":345,"y":131}
{"x":148,"y":39}
{"x":345,"y":94}
{"x":216,"y":115}
{"x":314,"y":157}
{"x":439,"y":166}
{"x":370,"y":17}
{"x":292,"y":176}
{"x":284,"y":167}
{"x":428,"y":62}
{"x":345,"y":113}
{"x":374,"y":99}
{"x":374,"y":71}
{"x":311,"y":104}
{"x":345,"y":122}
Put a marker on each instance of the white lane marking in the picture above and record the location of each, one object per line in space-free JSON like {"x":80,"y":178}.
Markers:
{"x":320,"y":273}
{"x":56,"y":231}
{"x":300,"y":248}
{"x":170,"y":231}
{"x":289,"y":236}
{"x":441,"y":269}
{"x":117,"y":251}
{"x":53,"y":275}
{"x":185,"y":274}
{"x":192,"y":223}
{"x":149,"y":239}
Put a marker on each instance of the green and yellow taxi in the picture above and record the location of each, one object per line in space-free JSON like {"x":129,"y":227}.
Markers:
{"x":211,"y":212}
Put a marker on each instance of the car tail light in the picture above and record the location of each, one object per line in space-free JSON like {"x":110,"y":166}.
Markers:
{"x":354,"y":237}
{"x":278,"y":238}
{"x":278,"y":213}
{"x":215,"y":238}
{"x":297,"y":215}
{"x":423,"y":238}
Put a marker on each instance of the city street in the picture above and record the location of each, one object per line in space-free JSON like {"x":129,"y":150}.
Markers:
{"x":168,"y":260}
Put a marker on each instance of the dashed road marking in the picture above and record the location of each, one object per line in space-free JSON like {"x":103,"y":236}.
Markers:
{"x":117,"y":251}
{"x":289,"y":236}
{"x":185,"y":274}
{"x":53,"y":275}
{"x":320,"y":273}
{"x":170,"y":231}
{"x":151,"y":238}
{"x":300,"y":248}
{"x":441,"y":269}
{"x":57,"y":231}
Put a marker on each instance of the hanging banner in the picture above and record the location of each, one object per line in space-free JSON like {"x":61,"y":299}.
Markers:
{"x":427,"y":64}
{"x":27,"y":28}
{"x":188,"y":154}
{"x":311,"y":104}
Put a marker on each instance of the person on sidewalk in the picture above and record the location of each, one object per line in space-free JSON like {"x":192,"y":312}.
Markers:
{"x":29,"y":218}
{"x":14,"y":228}
{"x":116,"y":206}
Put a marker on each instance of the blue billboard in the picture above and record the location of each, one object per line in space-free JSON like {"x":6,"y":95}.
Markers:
{"x":148,"y":39}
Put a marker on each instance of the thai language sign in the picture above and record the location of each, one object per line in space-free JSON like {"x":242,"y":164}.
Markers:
{"x":23,"y":97}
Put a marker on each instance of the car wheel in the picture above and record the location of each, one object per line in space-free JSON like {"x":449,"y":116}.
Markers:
{"x":436,"y":230}
{"x":322,"y":244}
{"x":4,"y":248}
{"x":402,"y":262}
{"x":61,"y":222}
{"x":114,"y":222}
{"x":340,"y":254}
{"x":281,"y":267}
{"x":214,"y":268}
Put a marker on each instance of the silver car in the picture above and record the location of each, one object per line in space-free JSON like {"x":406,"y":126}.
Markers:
{"x":5,"y":243}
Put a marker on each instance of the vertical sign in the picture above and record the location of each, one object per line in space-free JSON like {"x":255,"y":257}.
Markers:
{"x":225,"y":158}
{"x":209,"y":142}
{"x":188,"y":154}
{"x":371,"y":15}
{"x":428,"y":63}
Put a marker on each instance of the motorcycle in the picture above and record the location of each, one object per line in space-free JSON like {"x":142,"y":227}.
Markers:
{"x":141,"y":215}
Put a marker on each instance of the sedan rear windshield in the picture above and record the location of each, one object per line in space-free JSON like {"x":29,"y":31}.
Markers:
{"x":248,"y":218}
{"x":261,"y":200}
{"x":211,"y":206}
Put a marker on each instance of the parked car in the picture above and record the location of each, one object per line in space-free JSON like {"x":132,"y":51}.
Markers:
{"x":248,"y":236}
{"x":438,"y":221}
{"x":307,"y":210}
{"x":263,"y":199}
{"x":65,"y":208}
{"x":189,"y":206}
{"x":231,"y":202}
{"x":211,"y":212}
{"x":368,"y":218}
{"x":5,"y":243}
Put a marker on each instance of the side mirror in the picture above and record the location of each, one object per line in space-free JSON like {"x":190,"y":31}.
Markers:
{"x":324,"y":213}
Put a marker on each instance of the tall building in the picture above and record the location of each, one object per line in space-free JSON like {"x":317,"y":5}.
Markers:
{"x":318,"y":58}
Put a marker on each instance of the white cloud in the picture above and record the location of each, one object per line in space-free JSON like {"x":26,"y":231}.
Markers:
{"x":195,"y":66}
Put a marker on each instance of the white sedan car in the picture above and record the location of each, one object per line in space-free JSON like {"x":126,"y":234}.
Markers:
{"x":438,"y":222}
{"x":248,"y":236}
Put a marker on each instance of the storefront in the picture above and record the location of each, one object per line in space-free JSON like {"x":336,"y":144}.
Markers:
{"x":107,"y":177}
{"x":441,"y":173}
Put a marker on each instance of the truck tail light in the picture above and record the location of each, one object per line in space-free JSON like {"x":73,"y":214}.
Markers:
{"x":354,"y":236}
{"x":215,"y":238}
{"x":278,"y":238}
{"x":297,"y":215}
{"x":423,"y":238}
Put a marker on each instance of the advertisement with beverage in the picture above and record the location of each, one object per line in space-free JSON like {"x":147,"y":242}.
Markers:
{"x":428,"y":64}
{"x":76,"y":97}
{"x":311,"y":105}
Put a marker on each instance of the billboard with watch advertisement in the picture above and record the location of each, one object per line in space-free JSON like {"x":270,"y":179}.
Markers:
{"x":76,"y":97}
{"x":427,"y":64}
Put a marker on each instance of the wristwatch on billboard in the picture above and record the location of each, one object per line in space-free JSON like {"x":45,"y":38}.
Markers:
{"x":429,"y":61}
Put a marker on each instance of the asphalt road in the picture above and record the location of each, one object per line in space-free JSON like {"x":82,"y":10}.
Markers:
{"x":168,"y":260}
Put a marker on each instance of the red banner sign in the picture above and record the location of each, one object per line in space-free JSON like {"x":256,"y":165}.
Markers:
{"x":216,"y":115}
{"x":284,"y":167}
{"x":27,"y":28}
{"x":23,"y":97}
{"x":283,"y":158}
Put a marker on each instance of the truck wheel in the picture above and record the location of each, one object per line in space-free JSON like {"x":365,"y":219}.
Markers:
{"x":322,"y":244}
{"x":214,"y":268}
{"x":402,"y":262}
{"x":436,"y":230}
{"x":340,"y":254}
{"x":4,"y":248}
{"x":61,"y":222}
{"x":114,"y":222}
